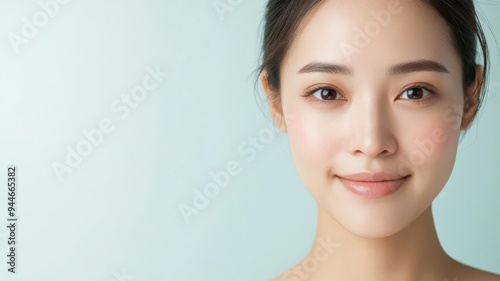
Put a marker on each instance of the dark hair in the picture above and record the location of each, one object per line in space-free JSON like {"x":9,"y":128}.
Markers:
{"x":284,"y":19}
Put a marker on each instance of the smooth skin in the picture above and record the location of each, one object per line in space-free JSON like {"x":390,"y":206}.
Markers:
{"x":387,"y":106}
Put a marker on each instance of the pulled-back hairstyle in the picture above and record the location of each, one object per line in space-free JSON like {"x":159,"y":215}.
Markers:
{"x":284,"y":19}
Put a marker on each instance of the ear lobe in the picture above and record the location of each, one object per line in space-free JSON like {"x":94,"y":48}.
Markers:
{"x":472,"y":99}
{"x":274,"y":103}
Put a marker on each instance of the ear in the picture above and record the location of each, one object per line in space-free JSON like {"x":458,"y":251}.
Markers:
{"x":472,"y":99}
{"x":274,"y":103}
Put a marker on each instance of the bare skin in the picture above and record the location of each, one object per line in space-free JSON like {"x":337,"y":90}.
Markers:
{"x":412,"y":254}
{"x":367,"y":122}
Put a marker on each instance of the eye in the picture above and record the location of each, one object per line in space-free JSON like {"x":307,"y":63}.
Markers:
{"x":324,"y":94}
{"x":416,"y":93}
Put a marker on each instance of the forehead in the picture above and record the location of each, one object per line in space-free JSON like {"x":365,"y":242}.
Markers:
{"x":369,"y":33}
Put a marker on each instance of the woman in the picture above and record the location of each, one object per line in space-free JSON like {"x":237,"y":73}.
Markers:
{"x":373,"y":95}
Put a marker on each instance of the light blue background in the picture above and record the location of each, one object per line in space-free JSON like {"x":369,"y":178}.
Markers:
{"x":119,"y":209}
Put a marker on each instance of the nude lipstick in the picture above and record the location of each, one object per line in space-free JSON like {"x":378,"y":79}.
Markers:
{"x":373,"y":185}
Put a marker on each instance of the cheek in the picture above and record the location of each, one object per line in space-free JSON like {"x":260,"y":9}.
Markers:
{"x":314,"y":145}
{"x":428,"y":150}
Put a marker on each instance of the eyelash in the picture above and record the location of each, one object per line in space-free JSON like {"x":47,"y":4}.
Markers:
{"x":433,"y":93}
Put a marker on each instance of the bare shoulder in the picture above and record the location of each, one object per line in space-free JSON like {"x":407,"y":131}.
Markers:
{"x":291,"y":276}
{"x":463,"y":273}
{"x":467,"y":273}
{"x":481,"y":275}
{"x":284,"y":276}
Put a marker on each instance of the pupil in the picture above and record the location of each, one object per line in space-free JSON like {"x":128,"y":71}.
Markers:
{"x":415,"y":93}
{"x":327,"y":94}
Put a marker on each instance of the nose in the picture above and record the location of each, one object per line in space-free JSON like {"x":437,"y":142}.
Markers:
{"x":370,"y":130}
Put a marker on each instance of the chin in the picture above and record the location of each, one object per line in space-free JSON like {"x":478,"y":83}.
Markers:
{"x":384,"y":230}
{"x":375,"y":227}
{"x":378,"y":220}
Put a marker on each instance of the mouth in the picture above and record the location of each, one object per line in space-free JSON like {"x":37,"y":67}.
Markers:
{"x":373,"y":185}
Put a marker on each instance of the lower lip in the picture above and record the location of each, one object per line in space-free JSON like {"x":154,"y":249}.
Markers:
{"x":376,"y":189}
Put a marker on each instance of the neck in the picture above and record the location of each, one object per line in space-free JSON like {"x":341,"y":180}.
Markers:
{"x":411,"y":254}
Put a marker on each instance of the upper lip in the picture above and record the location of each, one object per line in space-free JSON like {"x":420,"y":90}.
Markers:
{"x":373,"y":177}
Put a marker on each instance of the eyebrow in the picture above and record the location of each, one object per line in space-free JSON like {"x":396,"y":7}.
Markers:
{"x":327,"y":68}
{"x":402,"y":68}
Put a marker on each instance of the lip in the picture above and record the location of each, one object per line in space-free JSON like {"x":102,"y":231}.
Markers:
{"x":373,"y":185}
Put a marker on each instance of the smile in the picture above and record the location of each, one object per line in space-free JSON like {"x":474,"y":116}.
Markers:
{"x":373,"y":185}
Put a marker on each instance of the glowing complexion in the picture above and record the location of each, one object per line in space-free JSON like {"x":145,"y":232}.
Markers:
{"x":367,"y":114}
{"x":371,"y":134}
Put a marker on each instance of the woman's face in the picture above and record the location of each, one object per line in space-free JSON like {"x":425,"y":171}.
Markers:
{"x":385,"y":95}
